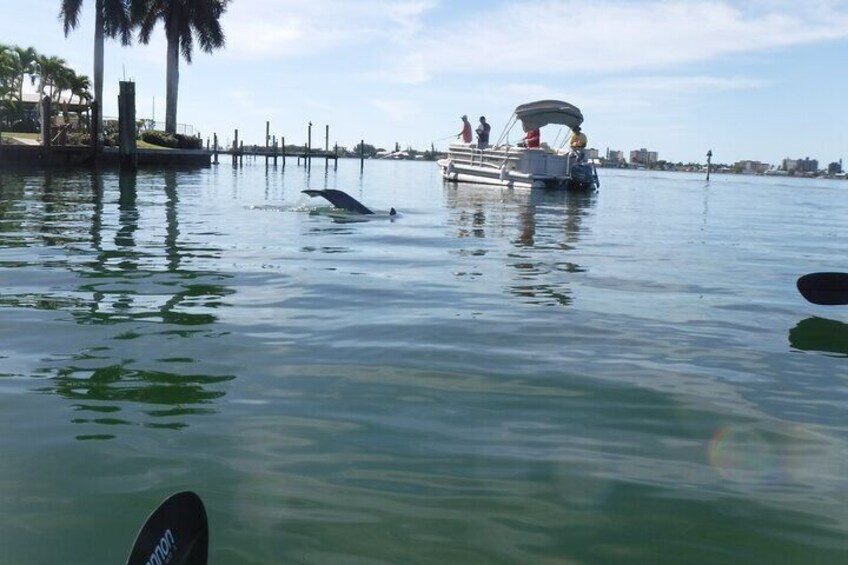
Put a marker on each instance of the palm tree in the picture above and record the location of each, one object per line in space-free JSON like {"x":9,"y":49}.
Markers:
{"x":25,"y":60}
{"x":7,"y":71}
{"x":184,"y":20}
{"x":7,"y":77}
{"x":48,"y":70}
{"x":17,"y":64}
{"x":80,"y":86}
{"x":111,"y":19}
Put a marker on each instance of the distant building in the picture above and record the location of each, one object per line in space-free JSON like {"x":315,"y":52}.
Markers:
{"x":615,"y":157}
{"x":800,"y":166}
{"x":643,"y":157}
{"x":750,"y":167}
{"x":835,"y":168}
{"x":591,"y":153}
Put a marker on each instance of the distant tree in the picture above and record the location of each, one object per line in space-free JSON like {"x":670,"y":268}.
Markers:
{"x":111,"y":19}
{"x":184,"y":21}
{"x":366,"y":150}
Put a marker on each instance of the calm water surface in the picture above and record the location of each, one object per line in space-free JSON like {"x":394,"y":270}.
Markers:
{"x":495,"y":377}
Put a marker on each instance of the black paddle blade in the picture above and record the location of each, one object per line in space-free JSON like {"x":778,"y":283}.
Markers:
{"x":177,"y":533}
{"x":824,"y":288}
{"x":340,"y":199}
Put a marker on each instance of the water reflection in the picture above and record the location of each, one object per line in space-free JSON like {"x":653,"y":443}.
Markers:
{"x":105,"y":396}
{"x":820,"y":334}
{"x":129,"y":271}
{"x":129,"y":282}
{"x":11,"y":194}
{"x":542,"y":227}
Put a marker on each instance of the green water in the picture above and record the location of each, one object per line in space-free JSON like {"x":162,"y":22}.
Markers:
{"x":494,"y":377}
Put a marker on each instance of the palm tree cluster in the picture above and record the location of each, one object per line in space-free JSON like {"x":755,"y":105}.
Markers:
{"x":54,"y":77}
{"x":184,"y":21}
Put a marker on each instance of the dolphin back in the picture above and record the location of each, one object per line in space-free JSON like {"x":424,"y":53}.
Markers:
{"x":340,"y":199}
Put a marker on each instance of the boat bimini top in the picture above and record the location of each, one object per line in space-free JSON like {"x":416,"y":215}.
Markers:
{"x":543,"y":112}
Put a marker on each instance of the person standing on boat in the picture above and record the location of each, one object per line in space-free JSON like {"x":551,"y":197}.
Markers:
{"x":578,"y":142}
{"x":483,"y":133}
{"x":466,"y":130}
{"x":532,"y":138}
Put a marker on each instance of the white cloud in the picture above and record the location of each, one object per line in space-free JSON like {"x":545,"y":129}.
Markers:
{"x":397,"y":110}
{"x":290,"y":28}
{"x":547,"y":36}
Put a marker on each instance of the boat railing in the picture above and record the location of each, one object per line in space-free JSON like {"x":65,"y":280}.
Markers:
{"x":489,"y":156}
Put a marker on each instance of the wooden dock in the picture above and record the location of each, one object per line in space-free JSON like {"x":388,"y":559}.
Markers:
{"x":129,"y":156}
{"x":70,"y":155}
{"x":272,"y":150}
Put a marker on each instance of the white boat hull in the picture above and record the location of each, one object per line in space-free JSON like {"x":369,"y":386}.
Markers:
{"x":516,"y":167}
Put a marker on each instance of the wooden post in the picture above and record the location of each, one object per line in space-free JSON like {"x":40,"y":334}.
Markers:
{"x":235,"y":148}
{"x":709,"y":165}
{"x":284,"y":151}
{"x":309,"y":147}
{"x":95,"y":127}
{"x":215,"y":149}
{"x":45,"y":122}
{"x":361,"y":155}
{"x":241,"y":152}
{"x":327,"y":146}
{"x":336,"y":156}
{"x":126,"y":126}
{"x":267,"y":136}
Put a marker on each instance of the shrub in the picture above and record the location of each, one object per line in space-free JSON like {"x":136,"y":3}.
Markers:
{"x":110,"y":133}
{"x":174,"y":141}
{"x":189,"y":141}
{"x":160,"y":138}
{"x":79,"y":138}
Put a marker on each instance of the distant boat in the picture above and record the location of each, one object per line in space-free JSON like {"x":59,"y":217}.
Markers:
{"x":511,"y":166}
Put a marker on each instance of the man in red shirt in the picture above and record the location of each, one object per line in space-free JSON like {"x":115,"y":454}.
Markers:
{"x":532,"y":137}
{"x":466,"y":130}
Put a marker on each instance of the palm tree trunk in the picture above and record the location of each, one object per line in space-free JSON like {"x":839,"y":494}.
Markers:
{"x":99,"y":40}
{"x":172,"y":85}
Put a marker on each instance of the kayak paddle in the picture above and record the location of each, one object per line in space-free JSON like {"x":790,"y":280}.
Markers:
{"x":176,"y":533}
{"x":824,"y":288}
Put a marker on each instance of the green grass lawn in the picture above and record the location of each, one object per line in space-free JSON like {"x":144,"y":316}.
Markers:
{"x":139,"y":143}
{"x":20,"y":135}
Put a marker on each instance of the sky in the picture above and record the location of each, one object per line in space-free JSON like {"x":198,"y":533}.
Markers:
{"x":761,"y":80}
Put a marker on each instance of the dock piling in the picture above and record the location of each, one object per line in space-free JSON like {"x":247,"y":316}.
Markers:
{"x":127,"y":126}
{"x":709,"y":158}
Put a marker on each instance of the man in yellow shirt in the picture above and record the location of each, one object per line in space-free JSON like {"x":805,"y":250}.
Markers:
{"x":578,"y":142}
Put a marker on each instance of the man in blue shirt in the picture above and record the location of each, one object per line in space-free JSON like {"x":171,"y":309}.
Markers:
{"x":483,"y":132}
